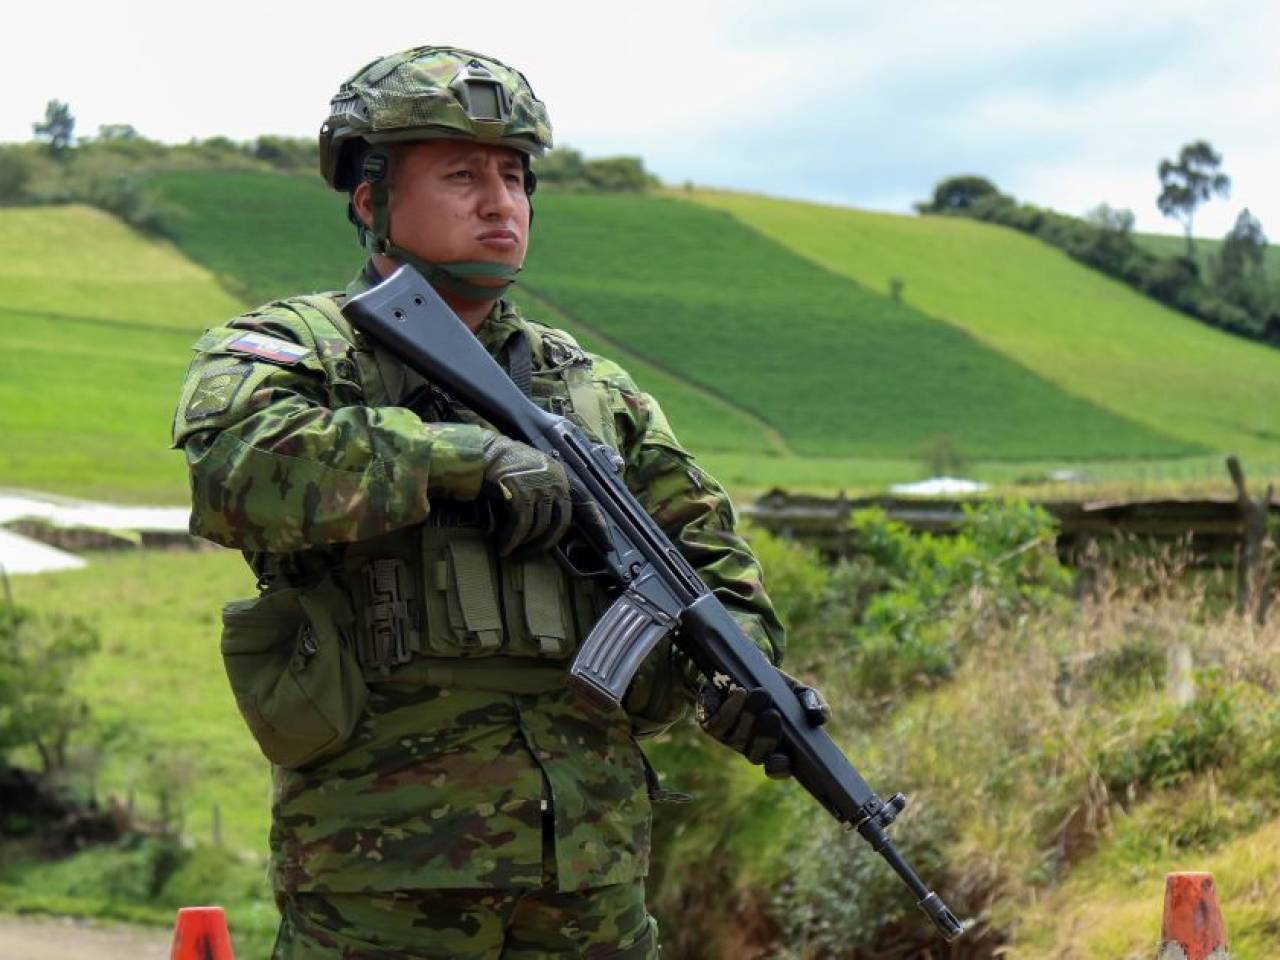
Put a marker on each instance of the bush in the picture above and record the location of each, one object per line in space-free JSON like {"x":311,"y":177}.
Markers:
{"x":287,"y":154}
{"x":566,"y":169}
{"x":839,"y":899}
{"x":960,"y":193}
{"x":128,"y":199}
{"x":38,"y":659}
{"x":1178,"y":744}
{"x":916,"y":600}
{"x":16,"y":168}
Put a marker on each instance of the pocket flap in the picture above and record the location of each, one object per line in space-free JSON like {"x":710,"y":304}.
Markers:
{"x":477,"y":596}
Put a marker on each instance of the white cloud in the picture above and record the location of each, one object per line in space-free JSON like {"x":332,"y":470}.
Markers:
{"x":863,"y":103}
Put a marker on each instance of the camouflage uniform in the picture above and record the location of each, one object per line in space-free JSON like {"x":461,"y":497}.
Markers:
{"x":472,"y":782}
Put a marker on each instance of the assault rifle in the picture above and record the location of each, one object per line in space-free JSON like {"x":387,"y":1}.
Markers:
{"x":659,"y":591}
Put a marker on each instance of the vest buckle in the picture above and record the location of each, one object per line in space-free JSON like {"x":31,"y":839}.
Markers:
{"x":388,"y":619}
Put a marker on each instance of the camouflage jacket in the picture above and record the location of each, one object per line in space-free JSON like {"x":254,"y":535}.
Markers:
{"x":438,"y":787}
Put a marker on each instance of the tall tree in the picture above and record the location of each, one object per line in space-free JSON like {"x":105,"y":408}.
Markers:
{"x":1188,"y":182}
{"x":57,"y":128}
{"x":1243,"y":249}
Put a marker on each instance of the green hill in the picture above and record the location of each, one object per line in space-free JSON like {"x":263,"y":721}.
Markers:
{"x":698,"y":307}
{"x":764,"y":333}
{"x":1093,"y":337}
{"x":95,"y":326}
{"x":272,"y":236}
{"x":265,"y":235}
{"x":838,"y":369}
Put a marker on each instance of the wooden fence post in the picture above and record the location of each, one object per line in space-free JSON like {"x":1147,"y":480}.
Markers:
{"x":1253,"y":566}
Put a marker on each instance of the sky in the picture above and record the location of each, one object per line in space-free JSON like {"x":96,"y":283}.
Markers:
{"x":865,"y":104}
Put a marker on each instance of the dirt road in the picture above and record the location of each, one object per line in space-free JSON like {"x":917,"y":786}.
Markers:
{"x":40,"y":938}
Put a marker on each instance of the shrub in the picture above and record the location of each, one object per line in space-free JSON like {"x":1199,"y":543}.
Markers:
{"x":38,"y":658}
{"x":915,"y":601}
{"x":16,"y":168}
{"x":126,"y":198}
{"x":566,"y":169}
{"x":1179,"y":743}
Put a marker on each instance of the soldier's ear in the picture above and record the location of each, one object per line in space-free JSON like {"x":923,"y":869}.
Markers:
{"x":362,"y":203}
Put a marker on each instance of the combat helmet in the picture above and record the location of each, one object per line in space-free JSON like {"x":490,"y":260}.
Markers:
{"x":428,"y":93}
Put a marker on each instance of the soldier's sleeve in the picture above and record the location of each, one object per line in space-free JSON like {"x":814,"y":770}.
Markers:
{"x":692,"y":509}
{"x":275,"y":465}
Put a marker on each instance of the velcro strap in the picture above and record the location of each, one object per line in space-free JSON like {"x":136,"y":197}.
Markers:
{"x":588,"y":402}
{"x":474,"y":578}
{"x":519,"y":356}
{"x":543,"y":610}
{"x":499,"y":674}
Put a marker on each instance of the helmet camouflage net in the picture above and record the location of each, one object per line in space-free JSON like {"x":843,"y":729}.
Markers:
{"x":429,"y":93}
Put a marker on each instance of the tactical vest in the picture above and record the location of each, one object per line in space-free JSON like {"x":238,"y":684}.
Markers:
{"x":434,"y":602}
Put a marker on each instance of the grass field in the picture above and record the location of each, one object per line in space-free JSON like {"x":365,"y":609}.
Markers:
{"x":1094,"y":337}
{"x":837,"y":369}
{"x":159,"y":670}
{"x":95,"y":328}
{"x":265,"y":235}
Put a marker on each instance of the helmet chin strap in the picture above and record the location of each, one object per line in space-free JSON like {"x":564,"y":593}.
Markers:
{"x":451,"y":277}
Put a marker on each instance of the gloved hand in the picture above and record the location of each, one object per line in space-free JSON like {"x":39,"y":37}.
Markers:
{"x":530,"y":494}
{"x":746,"y":721}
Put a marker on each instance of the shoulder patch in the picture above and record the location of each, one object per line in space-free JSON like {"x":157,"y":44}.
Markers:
{"x":559,"y":351}
{"x":215,"y":392}
{"x":268,"y":348}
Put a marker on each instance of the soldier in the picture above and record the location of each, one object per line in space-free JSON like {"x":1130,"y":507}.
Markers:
{"x":437,"y":791}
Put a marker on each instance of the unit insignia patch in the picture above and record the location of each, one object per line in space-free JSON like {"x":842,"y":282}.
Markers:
{"x":215,"y":392}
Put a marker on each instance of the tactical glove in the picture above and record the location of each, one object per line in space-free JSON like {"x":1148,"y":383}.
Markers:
{"x":530,"y":494}
{"x":746,"y":721}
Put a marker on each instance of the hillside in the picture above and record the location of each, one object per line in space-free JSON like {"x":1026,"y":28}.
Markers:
{"x":95,"y":328}
{"x":1093,"y":337}
{"x":1015,"y":380}
{"x":272,"y":236}
{"x":861,"y":377}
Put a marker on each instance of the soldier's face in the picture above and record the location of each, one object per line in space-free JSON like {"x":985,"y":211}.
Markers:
{"x":453,"y":200}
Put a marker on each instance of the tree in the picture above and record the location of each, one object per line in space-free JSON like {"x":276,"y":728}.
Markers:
{"x":37,"y":706}
{"x":1112,"y":220}
{"x":619,"y":175}
{"x":561,"y":167}
{"x":958,"y":193}
{"x":565,"y":169}
{"x":1189,"y":182}
{"x":113,"y":132}
{"x":1243,"y":249}
{"x":58,"y":127}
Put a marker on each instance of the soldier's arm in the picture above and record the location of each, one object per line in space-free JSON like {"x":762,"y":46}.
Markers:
{"x":692,"y":509}
{"x":275,"y":465}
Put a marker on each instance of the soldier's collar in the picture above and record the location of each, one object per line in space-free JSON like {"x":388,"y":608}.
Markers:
{"x":364,"y":279}
{"x":503,"y":320}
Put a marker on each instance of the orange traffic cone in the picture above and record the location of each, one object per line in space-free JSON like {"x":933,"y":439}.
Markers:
{"x":1192,"y":928}
{"x":200,"y":933}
